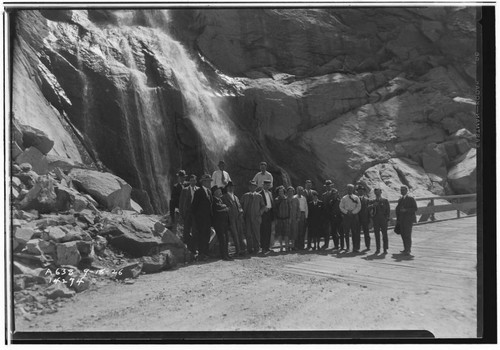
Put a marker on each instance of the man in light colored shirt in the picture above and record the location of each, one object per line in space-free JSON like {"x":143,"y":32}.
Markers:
{"x":267,"y":217}
{"x":262,"y":176}
{"x":299,"y":242}
{"x":350,"y":205}
{"x":221,"y":178}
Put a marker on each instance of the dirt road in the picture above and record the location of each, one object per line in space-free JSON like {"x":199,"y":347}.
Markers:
{"x":309,"y":291}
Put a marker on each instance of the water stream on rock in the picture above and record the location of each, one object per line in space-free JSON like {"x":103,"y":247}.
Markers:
{"x":145,"y":104}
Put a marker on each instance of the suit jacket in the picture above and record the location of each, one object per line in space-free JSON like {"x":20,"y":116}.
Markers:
{"x":185,"y":201}
{"x":334,"y":208}
{"x":272,"y":212}
{"x":316,"y":213}
{"x":176,"y":193}
{"x":308,"y":195}
{"x":202,"y":207}
{"x":253,"y":205}
{"x":235,"y":208}
{"x":364,"y":214}
{"x":410,"y":205}
{"x":379,"y":209}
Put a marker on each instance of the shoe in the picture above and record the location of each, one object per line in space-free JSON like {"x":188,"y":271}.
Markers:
{"x":402,"y":251}
{"x":227,"y":258}
{"x":377,"y":251}
{"x":267,"y":252}
{"x":323,"y":247}
{"x":355,"y":251}
{"x":385,"y":251}
{"x":368,"y":248}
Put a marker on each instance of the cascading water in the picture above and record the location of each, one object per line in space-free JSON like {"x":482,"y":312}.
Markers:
{"x":146,"y":105}
{"x":201,"y":103}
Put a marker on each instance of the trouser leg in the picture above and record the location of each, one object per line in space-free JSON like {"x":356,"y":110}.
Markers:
{"x":385,"y":238}
{"x":256,"y":224}
{"x":233,"y":229}
{"x":366,"y":233}
{"x":376,"y":231}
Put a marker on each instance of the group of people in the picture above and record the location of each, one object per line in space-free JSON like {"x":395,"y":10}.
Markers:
{"x":297,"y":212}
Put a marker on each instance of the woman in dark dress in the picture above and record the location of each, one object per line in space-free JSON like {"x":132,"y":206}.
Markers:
{"x":221,"y":222}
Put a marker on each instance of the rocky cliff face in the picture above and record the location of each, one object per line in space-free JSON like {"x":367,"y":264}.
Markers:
{"x":318,"y":93}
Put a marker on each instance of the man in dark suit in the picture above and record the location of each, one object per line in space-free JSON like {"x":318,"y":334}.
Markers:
{"x":315,"y":221}
{"x":267,"y":218}
{"x":326,"y":198}
{"x":176,"y":194}
{"x":405,"y":214}
{"x":379,"y":211}
{"x":253,"y":207}
{"x":335,"y":216}
{"x":185,"y":201}
{"x":202,"y":213}
{"x":364,"y":215}
{"x":235,"y":218}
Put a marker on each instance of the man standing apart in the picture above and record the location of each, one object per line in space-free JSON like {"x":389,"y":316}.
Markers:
{"x":405,"y":214}
{"x":253,"y":207}
{"x":267,"y":217}
{"x":380,"y":211}
{"x":350,"y":205}
{"x":262,"y":176}
{"x":185,"y":201}
{"x":364,"y":215}
{"x":303,"y":207}
{"x":202,"y":213}
{"x":235,"y":218}
{"x":176,"y":195}
{"x":221,"y":178}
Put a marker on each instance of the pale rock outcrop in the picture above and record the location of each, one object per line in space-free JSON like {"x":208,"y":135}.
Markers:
{"x":107,"y":189}
{"x":463,"y":175}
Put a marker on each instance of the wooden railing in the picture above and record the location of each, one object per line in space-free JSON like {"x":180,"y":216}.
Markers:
{"x":464,"y":205}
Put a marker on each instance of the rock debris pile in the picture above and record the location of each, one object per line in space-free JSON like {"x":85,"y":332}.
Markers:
{"x":76,"y":229}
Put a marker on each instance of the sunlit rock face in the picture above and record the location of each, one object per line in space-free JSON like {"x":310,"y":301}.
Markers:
{"x":317,"y":93}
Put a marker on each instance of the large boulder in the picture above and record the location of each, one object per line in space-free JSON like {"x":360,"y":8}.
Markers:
{"x":141,"y":235}
{"x":36,"y":138}
{"x":41,"y":197}
{"x":159,"y":262}
{"x":463,"y":176}
{"x":107,"y":189}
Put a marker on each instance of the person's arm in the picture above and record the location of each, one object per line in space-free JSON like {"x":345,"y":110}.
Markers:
{"x":196,"y":201}
{"x":272,"y":180}
{"x":387,"y":209}
{"x":182,"y":200}
{"x":228,"y":177}
{"x":214,"y":178}
{"x":262,"y":204}
{"x":342,"y":207}
{"x":357,"y":209}
{"x":413,"y":205}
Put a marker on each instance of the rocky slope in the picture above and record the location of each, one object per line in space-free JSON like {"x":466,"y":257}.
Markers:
{"x":318,"y":93}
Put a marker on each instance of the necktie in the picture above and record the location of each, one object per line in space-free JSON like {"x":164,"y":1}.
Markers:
{"x":223,"y":178}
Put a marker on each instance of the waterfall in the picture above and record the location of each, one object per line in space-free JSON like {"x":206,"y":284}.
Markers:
{"x":203,"y":106}
{"x":145,"y":108}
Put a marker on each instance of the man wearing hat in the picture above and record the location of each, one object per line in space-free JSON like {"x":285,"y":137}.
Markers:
{"x":405,"y":214}
{"x":176,"y":194}
{"x":364,"y":215}
{"x":350,"y":205}
{"x":235,"y":218}
{"x":253,"y":207}
{"x":202,"y":213}
{"x":263,"y":175}
{"x":220,"y":178}
{"x":379,"y":211}
{"x":187,"y":196}
{"x":327,"y":197}
{"x":267,"y":217}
